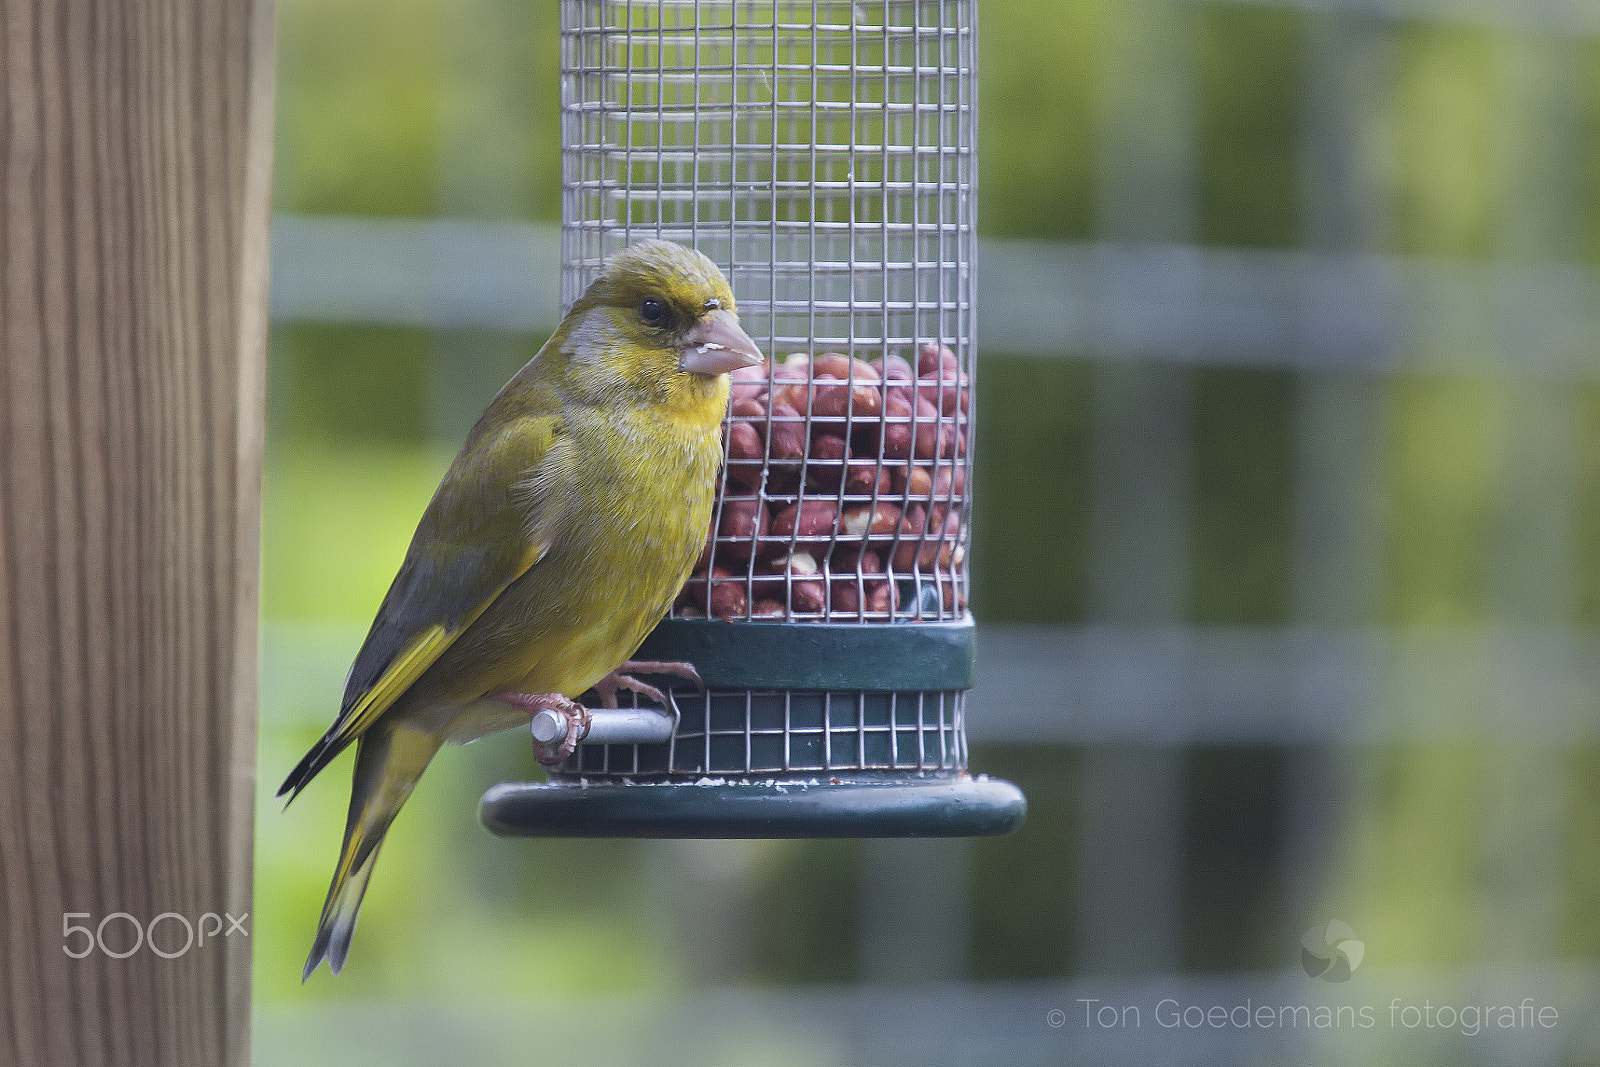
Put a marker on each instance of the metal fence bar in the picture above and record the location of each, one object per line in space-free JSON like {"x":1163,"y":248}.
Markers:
{"x":962,"y":1023}
{"x":1305,"y":685}
{"x":1162,"y":303}
{"x":1533,"y":557}
{"x":1103,"y":684}
{"x":484,"y":179}
{"x":1566,"y":18}
{"x":915,"y":909}
{"x":1338,"y":529}
{"x":1130,"y":859}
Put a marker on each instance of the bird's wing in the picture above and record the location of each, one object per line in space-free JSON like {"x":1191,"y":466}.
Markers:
{"x":486,"y":526}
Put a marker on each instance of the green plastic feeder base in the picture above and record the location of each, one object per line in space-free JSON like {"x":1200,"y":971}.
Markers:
{"x":862,"y":806}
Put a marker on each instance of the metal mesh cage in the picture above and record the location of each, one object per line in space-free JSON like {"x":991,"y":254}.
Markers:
{"x":762,"y":734}
{"x":822,"y":155}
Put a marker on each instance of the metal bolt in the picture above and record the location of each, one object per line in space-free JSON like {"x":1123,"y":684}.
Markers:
{"x":549,"y":726}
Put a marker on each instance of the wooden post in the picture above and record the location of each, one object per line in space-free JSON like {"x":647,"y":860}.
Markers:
{"x":134,"y":174}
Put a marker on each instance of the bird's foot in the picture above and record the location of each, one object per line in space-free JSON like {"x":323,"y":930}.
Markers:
{"x":622,"y":678}
{"x":559,"y":723}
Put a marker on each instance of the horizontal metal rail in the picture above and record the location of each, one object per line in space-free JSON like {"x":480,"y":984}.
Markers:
{"x":1165,"y":303}
{"x":1177,"y":685}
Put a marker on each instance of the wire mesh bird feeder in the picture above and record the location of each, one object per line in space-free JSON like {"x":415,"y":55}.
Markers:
{"x":822,"y":153}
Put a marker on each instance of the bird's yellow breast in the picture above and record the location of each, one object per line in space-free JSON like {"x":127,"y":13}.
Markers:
{"x":638,"y":501}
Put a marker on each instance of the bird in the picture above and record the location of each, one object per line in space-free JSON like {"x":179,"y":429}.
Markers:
{"x":559,"y":536}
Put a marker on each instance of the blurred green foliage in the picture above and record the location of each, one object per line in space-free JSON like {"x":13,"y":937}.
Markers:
{"x":1037,"y":179}
{"x":358,"y":106}
{"x":1243,"y":508}
{"x":1234,"y":892}
{"x":1030,"y":545}
{"x":1444,"y":161}
{"x":1024,"y":885}
{"x":1586,"y":507}
{"x":375,"y":99}
{"x":351,"y":385}
{"x":1249,"y":126}
{"x":1446,"y":441}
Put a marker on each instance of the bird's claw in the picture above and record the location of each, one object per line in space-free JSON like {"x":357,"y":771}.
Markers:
{"x":563,"y":743}
{"x":622,"y":678}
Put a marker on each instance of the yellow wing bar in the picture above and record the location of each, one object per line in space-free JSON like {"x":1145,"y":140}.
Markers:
{"x":418,"y":655}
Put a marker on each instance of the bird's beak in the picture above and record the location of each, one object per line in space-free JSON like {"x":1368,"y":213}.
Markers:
{"x":716,"y":345}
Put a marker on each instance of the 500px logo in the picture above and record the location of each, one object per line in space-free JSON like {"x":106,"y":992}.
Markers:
{"x":129,"y":935}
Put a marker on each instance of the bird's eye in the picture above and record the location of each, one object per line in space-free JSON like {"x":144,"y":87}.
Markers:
{"x":652,"y":312}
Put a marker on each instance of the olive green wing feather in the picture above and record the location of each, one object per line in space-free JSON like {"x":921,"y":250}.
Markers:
{"x":486,"y":526}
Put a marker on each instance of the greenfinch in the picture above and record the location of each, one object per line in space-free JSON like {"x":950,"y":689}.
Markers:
{"x":558,"y":538}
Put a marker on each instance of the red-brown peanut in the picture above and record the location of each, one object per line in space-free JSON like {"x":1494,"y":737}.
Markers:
{"x":864,"y":477}
{"x":931,"y":435}
{"x":792,"y":372}
{"x":945,"y":525}
{"x":745,"y":452}
{"x":948,"y":394}
{"x":786,"y":438}
{"x":825,"y":464}
{"x":944,"y":481}
{"x":743,"y":522}
{"x":767,"y":608}
{"x":727,"y":599}
{"x":896,"y":430}
{"x":749,"y":383}
{"x":913,"y":483}
{"x":857,"y":571}
{"x":867,"y":520}
{"x":917,"y":549}
{"x":838,"y":387}
{"x":849,"y":559}
{"x":893,"y":368}
{"x":782,"y":483}
{"x":844,"y":401}
{"x":937,"y":359}
{"x":884,"y":600}
{"x":795,"y":577}
{"x":806,"y":519}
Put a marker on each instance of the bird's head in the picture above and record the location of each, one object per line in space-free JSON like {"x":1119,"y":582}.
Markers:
{"x":660,"y":324}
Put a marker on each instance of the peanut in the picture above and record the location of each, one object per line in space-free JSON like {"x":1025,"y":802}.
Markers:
{"x":745,"y":455}
{"x":786,"y":440}
{"x":796,"y":578}
{"x":937,"y":359}
{"x":866,"y":521}
{"x":884,"y":600}
{"x":916,"y":550}
{"x":896,"y":369}
{"x":825,"y":464}
{"x":728,"y":598}
{"x":864,"y":477}
{"x":948,"y":394}
{"x":945,"y":481}
{"x":743,"y":523}
{"x":931,"y":436}
{"x":896,"y":430}
{"x":749,"y":383}
{"x":808,"y":519}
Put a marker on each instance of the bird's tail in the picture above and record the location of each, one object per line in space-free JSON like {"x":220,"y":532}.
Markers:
{"x":389,"y":760}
